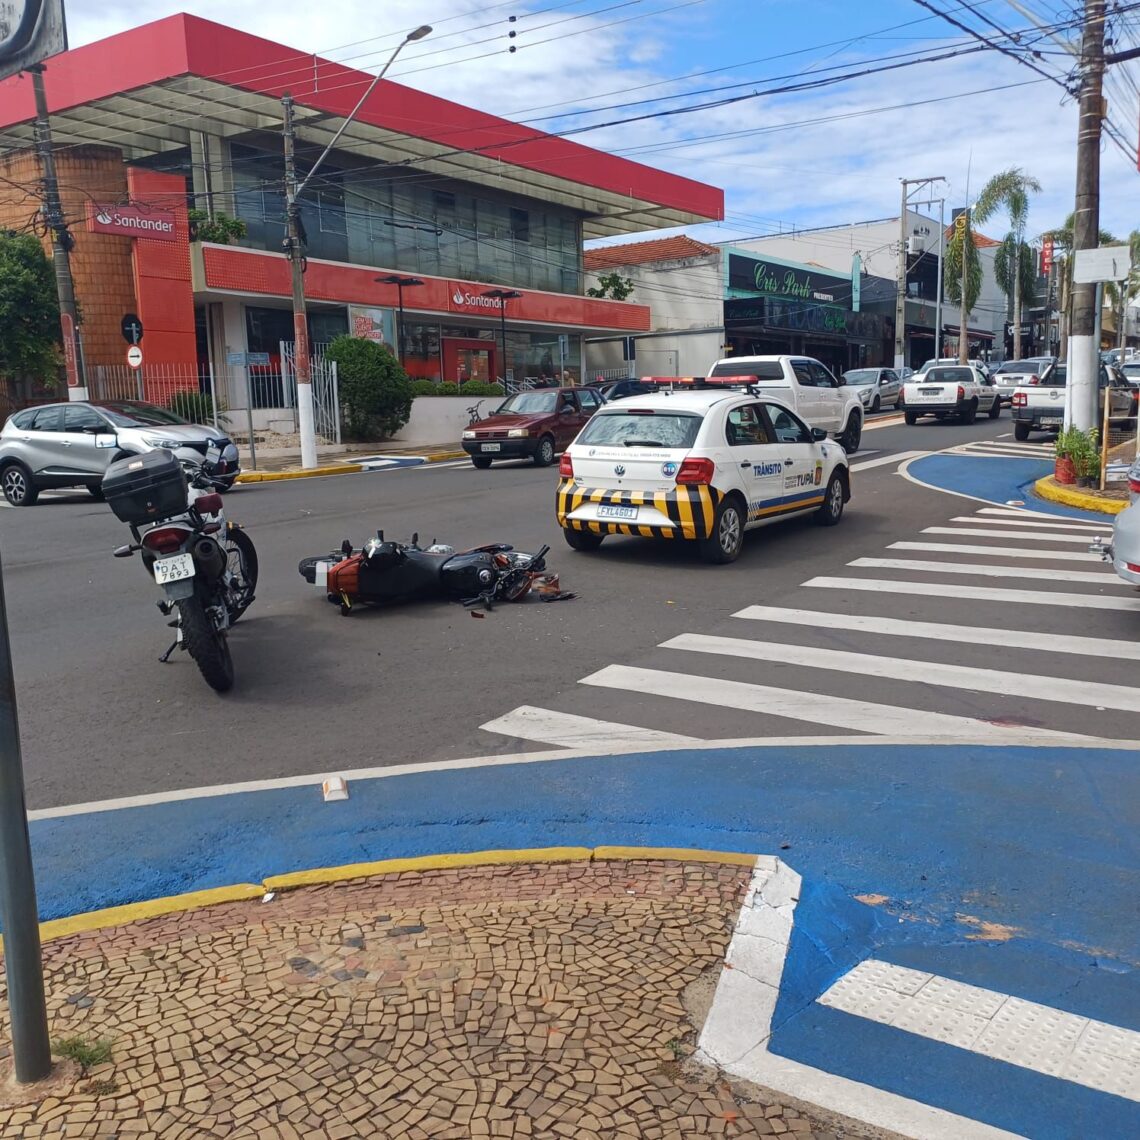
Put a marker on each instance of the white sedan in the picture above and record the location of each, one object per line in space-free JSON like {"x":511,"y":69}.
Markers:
{"x":876,"y":386}
{"x":704,"y":466}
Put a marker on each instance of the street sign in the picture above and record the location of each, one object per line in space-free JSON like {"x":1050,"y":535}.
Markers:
{"x":257,"y":358}
{"x":132,"y":328}
{"x":30,"y":31}
{"x":1047,"y":256}
{"x":1109,"y":263}
{"x":134,"y":356}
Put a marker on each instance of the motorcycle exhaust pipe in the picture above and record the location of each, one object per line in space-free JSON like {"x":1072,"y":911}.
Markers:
{"x":209,"y":555}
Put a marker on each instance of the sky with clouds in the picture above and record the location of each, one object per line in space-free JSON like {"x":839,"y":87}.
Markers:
{"x":828,"y":155}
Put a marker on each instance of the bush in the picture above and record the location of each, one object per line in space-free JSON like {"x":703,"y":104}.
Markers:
{"x":427,"y":388}
{"x":478,"y":388}
{"x":467,"y":388}
{"x":197,"y":407}
{"x":375,"y":393}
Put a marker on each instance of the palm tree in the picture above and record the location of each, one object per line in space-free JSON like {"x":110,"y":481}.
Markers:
{"x":962,"y":243}
{"x":1010,"y":190}
{"x":1122,"y":294}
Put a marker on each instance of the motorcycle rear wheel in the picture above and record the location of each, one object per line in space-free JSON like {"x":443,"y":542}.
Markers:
{"x":207,"y":645}
{"x":241,"y":562}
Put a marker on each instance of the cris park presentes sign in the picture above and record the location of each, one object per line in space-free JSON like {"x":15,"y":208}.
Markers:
{"x":131,"y":221}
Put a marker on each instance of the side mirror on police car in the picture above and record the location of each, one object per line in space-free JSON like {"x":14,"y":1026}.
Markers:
{"x":818,"y":434}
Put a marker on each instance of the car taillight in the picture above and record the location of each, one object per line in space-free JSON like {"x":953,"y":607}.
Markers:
{"x":1134,"y":485}
{"x":696,"y":471}
{"x":566,"y":466}
{"x":961,"y":392}
{"x":1034,"y":380}
{"x":1020,"y":400}
{"x":164,"y":540}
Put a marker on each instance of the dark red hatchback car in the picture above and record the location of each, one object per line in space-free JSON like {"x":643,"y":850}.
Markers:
{"x":535,"y":424}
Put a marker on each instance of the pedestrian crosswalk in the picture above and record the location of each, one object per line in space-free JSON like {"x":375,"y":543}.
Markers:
{"x":994,"y":625}
{"x":1006,"y":448}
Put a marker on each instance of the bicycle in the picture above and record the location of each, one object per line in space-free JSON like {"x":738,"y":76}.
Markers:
{"x":473,"y":416}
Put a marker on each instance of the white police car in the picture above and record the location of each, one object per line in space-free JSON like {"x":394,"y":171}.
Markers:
{"x":702,"y":465}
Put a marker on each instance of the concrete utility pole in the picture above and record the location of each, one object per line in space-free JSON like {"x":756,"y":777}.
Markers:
{"x":294,"y":249}
{"x":1083,"y":345}
{"x":900,"y":281}
{"x":61,"y":246}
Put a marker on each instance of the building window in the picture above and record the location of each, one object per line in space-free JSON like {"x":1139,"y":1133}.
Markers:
{"x":520,"y":224}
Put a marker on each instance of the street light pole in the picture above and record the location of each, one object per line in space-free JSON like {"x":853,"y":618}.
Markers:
{"x":400,"y":283}
{"x":503,"y":296}
{"x":294,"y":250}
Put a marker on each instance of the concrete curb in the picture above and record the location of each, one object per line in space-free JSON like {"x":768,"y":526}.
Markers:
{"x":340,"y":468}
{"x":1049,"y":488}
{"x":319,"y":876}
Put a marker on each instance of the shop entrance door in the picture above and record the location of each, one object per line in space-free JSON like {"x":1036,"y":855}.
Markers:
{"x":465,"y":360}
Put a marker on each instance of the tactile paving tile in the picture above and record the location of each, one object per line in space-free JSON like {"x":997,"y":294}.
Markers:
{"x":1032,"y":1036}
{"x":1103,"y":1072}
{"x":964,"y":998}
{"x":864,"y":999}
{"x":1111,"y":1039}
{"x":901,"y":979}
{"x":940,"y":1022}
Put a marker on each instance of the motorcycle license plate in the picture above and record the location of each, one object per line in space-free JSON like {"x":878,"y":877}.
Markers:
{"x":174,"y":568}
{"x":492,"y":447}
{"x":321,"y":576}
{"x":612,"y":512}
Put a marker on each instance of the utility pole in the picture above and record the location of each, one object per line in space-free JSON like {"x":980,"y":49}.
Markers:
{"x":61,"y":245}
{"x":900,"y":284}
{"x":1083,"y":346}
{"x":294,"y":248}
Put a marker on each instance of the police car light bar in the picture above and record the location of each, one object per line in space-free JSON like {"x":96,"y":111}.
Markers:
{"x":703,"y":381}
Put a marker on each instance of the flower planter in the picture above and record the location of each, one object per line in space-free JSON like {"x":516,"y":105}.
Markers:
{"x":1063,"y":470}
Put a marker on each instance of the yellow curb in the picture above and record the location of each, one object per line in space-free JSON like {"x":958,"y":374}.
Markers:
{"x":675,"y":854}
{"x":276,"y":476}
{"x":1049,"y":488}
{"x":153,"y":908}
{"x":319,"y":875}
{"x":444,"y":455}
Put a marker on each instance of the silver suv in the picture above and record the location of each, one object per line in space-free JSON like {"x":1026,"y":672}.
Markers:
{"x":71,"y":445}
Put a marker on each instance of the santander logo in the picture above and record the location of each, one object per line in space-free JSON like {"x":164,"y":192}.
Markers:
{"x":462,"y":298}
{"x":457,"y":296}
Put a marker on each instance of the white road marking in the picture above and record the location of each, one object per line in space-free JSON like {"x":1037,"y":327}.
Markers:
{"x":1105,"y":577}
{"x":1010,"y":684}
{"x":1024,"y":513}
{"x":1082,"y":526}
{"x":883,"y":421}
{"x":999,"y":551}
{"x":736,"y":1032}
{"x":1029,"y":448}
{"x":900,"y":457}
{"x":972,"y":594}
{"x":818,"y":708}
{"x":570,"y":731}
{"x":1038,"y":1037}
{"x":935,"y":631}
{"x":978,"y":532}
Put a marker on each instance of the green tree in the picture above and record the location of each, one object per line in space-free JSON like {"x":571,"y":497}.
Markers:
{"x":1062,"y":239}
{"x":375,"y":392}
{"x":1009,"y":191}
{"x":29,"y":312}
{"x":220,"y":229}
{"x":962,"y":242}
{"x":612,"y":285}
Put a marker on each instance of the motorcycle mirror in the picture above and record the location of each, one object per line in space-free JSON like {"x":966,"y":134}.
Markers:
{"x":416,"y":538}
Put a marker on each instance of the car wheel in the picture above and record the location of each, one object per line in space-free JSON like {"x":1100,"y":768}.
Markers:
{"x":1021,"y":432}
{"x":544,"y":454}
{"x":969,"y":413}
{"x":582,"y":539}
{"x":995,"y":409}
{"x":832,"y":509}
{"x":19,"y":489}
{"x":727,"y":538}
{"x":480,"y":461}
{"x":911,"y":418}
{"x":96,"y":492}
{"x":852,"y":434}
{"x":876,"y":404}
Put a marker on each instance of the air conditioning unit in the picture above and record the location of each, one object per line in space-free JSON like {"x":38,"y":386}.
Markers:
{"x":914,"y":245}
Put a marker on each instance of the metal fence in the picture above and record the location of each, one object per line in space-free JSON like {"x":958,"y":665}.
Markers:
{"x":326,"y":390}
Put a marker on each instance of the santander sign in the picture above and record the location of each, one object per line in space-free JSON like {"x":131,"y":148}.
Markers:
{"x":463,"y":300}
{"x":131,"y":221}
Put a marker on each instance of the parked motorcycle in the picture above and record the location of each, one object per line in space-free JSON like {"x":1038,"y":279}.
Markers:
{"x":389,"y":573}
{"x":206,"y":566}
{"x":1123,"y":549}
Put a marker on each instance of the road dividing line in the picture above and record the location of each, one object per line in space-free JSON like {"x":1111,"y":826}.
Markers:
{"x":1045,"y":1040}
{"x":900,"y":457}
{"x":975,"y":532}
{"x":935,"y":631}
{"x":1034,"y":523}
{"x":1058,"y":690}
{"x":971,"y":593}
{"x":816,"y":708}
{"x":570,"y":731}
{"x":999,"y":551}
{"x":1100,"y":578}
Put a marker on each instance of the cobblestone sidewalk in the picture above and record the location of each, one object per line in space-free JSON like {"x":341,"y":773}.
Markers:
{"x":520,"y":1001}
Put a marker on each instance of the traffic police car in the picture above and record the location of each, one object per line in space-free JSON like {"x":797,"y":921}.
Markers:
{"x":704,"y":465}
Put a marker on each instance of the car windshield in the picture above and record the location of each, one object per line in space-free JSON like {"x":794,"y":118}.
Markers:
{"x":528,"y":404}
{"x":641,"y":428}
{"x":861,"y":376}
{"x":949,"y":376}
{"x":1131,"y":370}
{"x":129,"y":414}
{"x":761,"y":369}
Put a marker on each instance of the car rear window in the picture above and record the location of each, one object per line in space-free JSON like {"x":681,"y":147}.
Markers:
{"x":949,"y":376}
{"x":761,"y":369}
{"x":641,"y":428}
{"x":1032,"y":365}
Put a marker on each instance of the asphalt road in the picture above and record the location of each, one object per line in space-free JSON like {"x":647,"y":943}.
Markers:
{"x":101,"y":717}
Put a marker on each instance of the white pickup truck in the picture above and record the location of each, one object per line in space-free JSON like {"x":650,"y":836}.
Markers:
{"x":806,"y":386}
{"x":950,"y":390}
{"x":1041,"y":406}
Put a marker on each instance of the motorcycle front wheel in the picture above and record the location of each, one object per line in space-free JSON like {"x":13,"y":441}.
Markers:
{"x":207,"y":645}
{"x":241,"y":562}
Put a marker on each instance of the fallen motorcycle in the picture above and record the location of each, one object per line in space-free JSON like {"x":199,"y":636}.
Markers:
{"x":384,"y":573}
